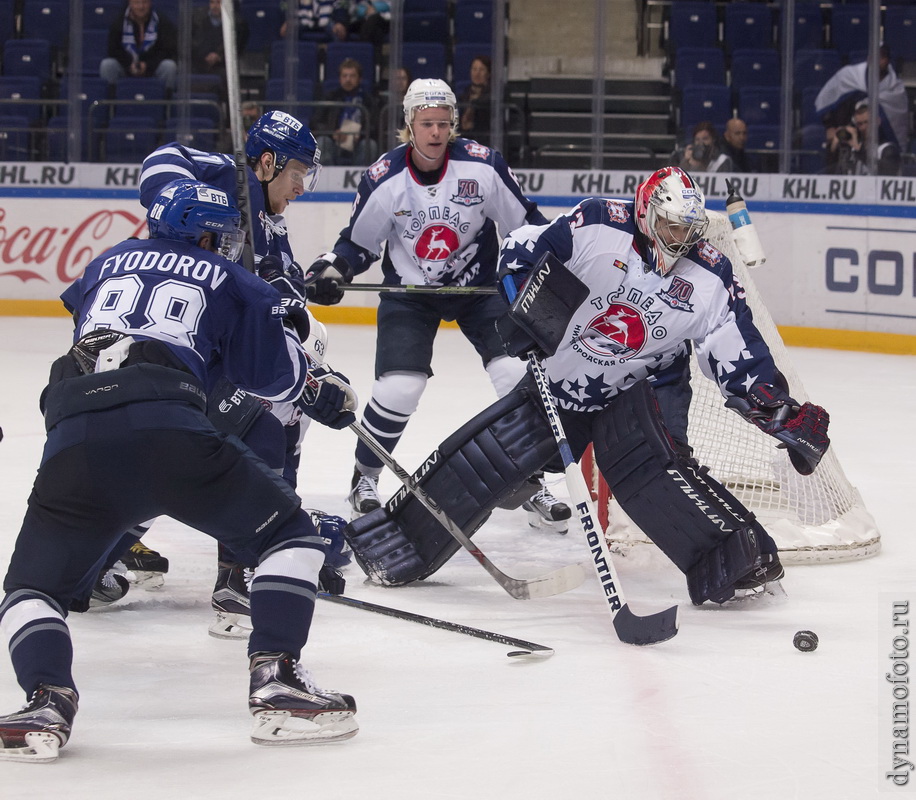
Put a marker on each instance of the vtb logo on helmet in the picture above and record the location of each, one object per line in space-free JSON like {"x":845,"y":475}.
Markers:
{"x":671,"y":214}
{"x":289,"y":140}
{"x":185,"y":210}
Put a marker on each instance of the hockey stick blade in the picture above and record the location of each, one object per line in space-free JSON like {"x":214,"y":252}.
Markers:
{"x":529,"y":648}
{"x":653,"y":629}
{"x":553,"y":583}
{"x":417,"y":289}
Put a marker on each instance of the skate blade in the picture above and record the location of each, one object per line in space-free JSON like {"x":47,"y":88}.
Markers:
{"x":41,"y":747}
{"x":146,"y":580}
{"x":535,"y":520}
{"x":281,"y":728}
{"x":228,"y":626}
{"x":770,"y":592}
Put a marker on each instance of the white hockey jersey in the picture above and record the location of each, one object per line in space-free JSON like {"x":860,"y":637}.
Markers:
{"x":440,"y":234}
{"x":635,"y":323}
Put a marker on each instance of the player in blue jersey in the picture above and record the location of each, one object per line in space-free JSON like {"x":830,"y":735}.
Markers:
{"x":129,"y":439}
{"x":283,"y":162}
{"x":432,"y":205}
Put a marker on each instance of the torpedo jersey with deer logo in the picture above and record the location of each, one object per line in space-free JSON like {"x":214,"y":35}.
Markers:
{"x":635,"y":323}
{"x":443,"y":234}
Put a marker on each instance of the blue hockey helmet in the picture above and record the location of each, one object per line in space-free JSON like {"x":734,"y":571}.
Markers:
{"x":185,"y":210}
{"x":288,"y":139}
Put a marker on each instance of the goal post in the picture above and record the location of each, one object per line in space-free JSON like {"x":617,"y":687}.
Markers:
{"x":814,"y":518}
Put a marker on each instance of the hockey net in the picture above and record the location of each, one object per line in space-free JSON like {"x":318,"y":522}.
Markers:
{"x":818,"y":518}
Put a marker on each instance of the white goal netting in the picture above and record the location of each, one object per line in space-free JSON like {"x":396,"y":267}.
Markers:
{"x":818,"y":518}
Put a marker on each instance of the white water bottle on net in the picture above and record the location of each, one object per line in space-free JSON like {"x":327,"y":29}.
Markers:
{"x":814,"y":518}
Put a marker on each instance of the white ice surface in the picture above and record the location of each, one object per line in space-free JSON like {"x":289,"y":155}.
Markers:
{"x":728,"y":709}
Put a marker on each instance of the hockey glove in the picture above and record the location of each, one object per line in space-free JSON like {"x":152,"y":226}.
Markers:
{"x":325,"y":277}
{"x":329,"y":398}
{"x":800,"y":429}
{"x":331,"y":580}
{"x":289,"y":283}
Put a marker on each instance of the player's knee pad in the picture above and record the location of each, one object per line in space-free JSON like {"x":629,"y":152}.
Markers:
{"x":485,"y":462}
{"x":505,"y":372}
{"x":693,"y":519}
{"x":400,"y":391}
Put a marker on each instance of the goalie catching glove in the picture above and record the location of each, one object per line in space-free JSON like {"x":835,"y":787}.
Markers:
{"x":325,"y":277}
{"x":801,"y":429}
{"x":290,"y":284}
{"x":328,"y":398}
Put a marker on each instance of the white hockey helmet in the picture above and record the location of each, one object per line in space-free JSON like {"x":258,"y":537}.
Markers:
{"x":429,"y":93}
{"x":671,"y":213}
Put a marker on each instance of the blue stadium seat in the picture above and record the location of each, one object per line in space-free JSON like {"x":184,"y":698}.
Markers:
{"x":760,"y":105}
{"x":275,"y":98}
{"x":151,"y":93}
{"x":7,"y":20}
{"x":809,"y":26}
{"x":27,"y":57}
{"x":308,"y":59}
{"x":815,"y":67}
{"x":99,"y":14}
{"x":763,"y":143}
{"x":202,"y":133}
{"x":424,"y":59}
{"x":755,"y":68}
{"x":748,"y":26}
{"x":15,"y":138}
{"x":95,"y":46}
{"x":412,"y":6}
{"x":900,"y":32}
{"x":849,"y":28}
{"x":129,"y":139}
{"x":264,"y":19}
{"x":21,"y":87}
{"x":806,"y":110}
{"x":705,"y":103}
{"x":811,"y":142}
{"x":425,"y":26}
{"x":699,"y":65}
{"x":47,"y":19}
{"x":361,"y":51}
{"x":692,"y":24}
{"x":473,"y":21}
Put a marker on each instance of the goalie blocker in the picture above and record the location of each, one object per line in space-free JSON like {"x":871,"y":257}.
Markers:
{"x":693,"y":519}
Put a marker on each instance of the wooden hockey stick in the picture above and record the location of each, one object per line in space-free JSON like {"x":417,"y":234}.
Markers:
{"x":527,"y":648}
{"x":415,"y":288}
{"x":556,"y":582}
{"x":234,"y":99}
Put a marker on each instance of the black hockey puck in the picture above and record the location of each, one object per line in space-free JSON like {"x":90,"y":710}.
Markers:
{"x":806,"y":641}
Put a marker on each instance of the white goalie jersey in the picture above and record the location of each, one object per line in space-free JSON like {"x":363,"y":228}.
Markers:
{"x":442,"y":234}
{"x":636,"y":323}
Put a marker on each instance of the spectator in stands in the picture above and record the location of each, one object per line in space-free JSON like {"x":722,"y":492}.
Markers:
{"x":251,"y":113}
{"x":208,"y":56}
{"x":362,"y":20}
{"x":734,"y":143}
{"x":315,"y":20}
{"x":344,"y":138}
{"x":847,"y":153}
{"x":836,"y":102}
{"x":142,"y":43}
{"x":705,"y":154}
{"x":402,"y":79}
{"x":474,"y":102}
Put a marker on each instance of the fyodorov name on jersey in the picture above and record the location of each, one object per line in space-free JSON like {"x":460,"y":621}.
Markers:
{"x":182,"y":265}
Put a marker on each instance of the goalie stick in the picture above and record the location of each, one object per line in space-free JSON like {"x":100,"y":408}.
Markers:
{"x":527,"y":648}
{"x":630,"y":628}
{"x":234,"y":99}
{"x":556,"y":582}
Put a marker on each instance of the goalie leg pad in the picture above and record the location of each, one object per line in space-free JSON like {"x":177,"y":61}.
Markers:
{"x":687,"y":513}
{"x":481,"y":465}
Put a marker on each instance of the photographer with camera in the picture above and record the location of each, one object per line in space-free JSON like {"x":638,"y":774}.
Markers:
{"x":847,"y":153}
{"x":705,"y":154}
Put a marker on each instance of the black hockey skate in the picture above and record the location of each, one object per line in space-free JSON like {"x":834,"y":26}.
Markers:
{"x":764,"y":580}
{"x":147,"y":565}
{"x":545,"y":511}
{"x":364,"y":496}
{"x":231,"y":602}
{"x":110,"y":586}
{"x":289,"y":709}
{"x":41,"y":728}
